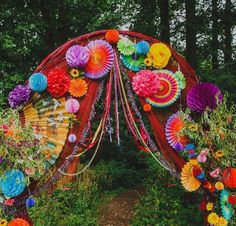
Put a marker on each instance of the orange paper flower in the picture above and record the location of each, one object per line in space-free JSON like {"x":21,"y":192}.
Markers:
{"x":112,"y":36}
{"x":18,"y":222}
{"x":78,"y":87}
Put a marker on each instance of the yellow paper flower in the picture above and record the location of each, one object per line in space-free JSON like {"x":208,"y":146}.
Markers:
{"x":193,"y":162}
{"x":219,"y":186}
{"x":219,"y":154}
{"x":74,"y":72}
{"x":160,"y":54}
{"x":148,"y":61}
{"x":3,"y":222}
{"x":222,"y":221}
{"x":193,"y":127}
{"x":213,"y":218}
{"x":209,"y":206}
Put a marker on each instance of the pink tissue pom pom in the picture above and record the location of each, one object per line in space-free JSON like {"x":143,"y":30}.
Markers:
{"x":146,"y":83}
{"x":72,"y":105}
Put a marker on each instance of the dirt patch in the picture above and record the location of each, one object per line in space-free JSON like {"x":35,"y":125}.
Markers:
{"x":120,"y":210}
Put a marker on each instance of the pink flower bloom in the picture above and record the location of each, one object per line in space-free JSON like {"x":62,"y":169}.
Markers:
{"x":9,"y":202}
{"x":202,"y":157}
{"x":215,"y":173}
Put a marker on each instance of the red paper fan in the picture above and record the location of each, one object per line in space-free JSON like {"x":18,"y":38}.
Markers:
{"x":168,"y":92}
{"x":173,"y":129}
{"x":101,"y":58}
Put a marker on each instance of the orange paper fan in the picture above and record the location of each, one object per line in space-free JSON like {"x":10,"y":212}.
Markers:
{"x":189,"y":182}
{"x":78,"y":87}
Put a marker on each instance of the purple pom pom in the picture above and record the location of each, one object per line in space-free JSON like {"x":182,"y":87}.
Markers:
{"x":77,"y":56}
{"x":203,"y":96}
{"x":19,"y":96}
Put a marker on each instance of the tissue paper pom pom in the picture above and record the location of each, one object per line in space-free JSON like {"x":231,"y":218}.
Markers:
{"x":160,"y":54}
{"x":30,"y":202}
{"x":142,"y":47}
{"x":145,"y":83}
{"x":229,"y":177}
{"x":78,"y":87}
{"x":77,"y":56}
{"x":58,"y":82}
{"x":18,"y":222}
{"x":12,"y":183}
{"x":125,"y":46}
{"x":38,"y":82}
{"x":19,"y":96}
{"x":147,"y":107}
{"x":72,"y":138}
{"x":112,"y":36}
{"x":72,"y":105}
{"x":203,"y":96}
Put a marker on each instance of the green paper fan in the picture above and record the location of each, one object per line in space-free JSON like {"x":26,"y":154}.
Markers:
{"x":126,"y":47}
{"x":133,"y":62}
{"x":181,"y":79}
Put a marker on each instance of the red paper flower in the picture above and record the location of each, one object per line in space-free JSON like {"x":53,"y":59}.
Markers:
{"x":112,"y":36}
{"x":58,"y":82}
{"x":9,"y":202}
{"x":232,"y":199}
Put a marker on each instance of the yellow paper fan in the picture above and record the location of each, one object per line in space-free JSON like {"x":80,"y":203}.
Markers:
{"x":189,"y":182}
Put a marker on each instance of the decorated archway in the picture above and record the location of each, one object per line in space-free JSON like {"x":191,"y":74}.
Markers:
{"x":128,"y":73}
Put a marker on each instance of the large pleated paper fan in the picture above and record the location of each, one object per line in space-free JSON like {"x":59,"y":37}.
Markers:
{"x":50,"y":120}
{"x":101,"y":58}
{"x":168,"y":92}
{"x":173,"y":129}
{"x":133,"y":62}
{"x":203,"y":96}
{"x":189,"y":182}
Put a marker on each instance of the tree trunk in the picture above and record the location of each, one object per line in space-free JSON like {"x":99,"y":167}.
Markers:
{"x":214,"y":43}
{"x":164,"y":20}
{"x":191,"y":45}
{"x":228,"y":34}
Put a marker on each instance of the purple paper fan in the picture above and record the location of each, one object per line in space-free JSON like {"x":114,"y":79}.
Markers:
{"x":77,"y":56}
{"x":203,"y":96}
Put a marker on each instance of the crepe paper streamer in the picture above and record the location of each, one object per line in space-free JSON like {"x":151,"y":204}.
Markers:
{"x":203,"y":96}
{"x":72,"y":138}
{"x":72,"y":105}
{"x":58,"y":82}
{"x":133,"y":62}
{"x":112,"y":36}
{"x":226,"y":207}
{"x":142,"y":47}
{"x":12,"y":183}
{"x":125,"y":46}
{"x":145,"y":83}
{"x":189,"y":182}
{"x":180,"y":77}
{"x":38,"y":82}
{"x":78,"y":87}
{"x":173,"y":129}
{"x":168,"y":92}
{"x":77,"y":56}
{"x":101,"y":58}
{"x":19,"y":96}
{"x":18,"y":222}
{"x":30,"y":202}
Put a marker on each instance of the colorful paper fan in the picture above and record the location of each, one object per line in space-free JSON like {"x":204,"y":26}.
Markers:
{"x":101,"y":58}
{"x":226,"y":207}
{"x":168,"y":92}
{"x":78,"y":87}
{"x":189,"y":182}
{"x":203,"y":96}
{"x":133,"y":62}
{"x":173,"y":128}
{"x":12,"y":183}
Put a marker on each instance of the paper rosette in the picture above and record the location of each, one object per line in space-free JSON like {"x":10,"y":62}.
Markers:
{"x":173,"y":128}
{"x":78,"y":87}
{"x":203,"y":96}
{"x":226,"y":207}
{"x":133,"y":62}
{"x":101,"y":58}
{"x":189,"y":182}
{"x":12,"y":183}
{"x":168,"y":92}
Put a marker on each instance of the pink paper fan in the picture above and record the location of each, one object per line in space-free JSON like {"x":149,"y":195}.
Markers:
{"x":101,"y":58}
{"x":173,"y":128}
{"x":203,"y":96}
